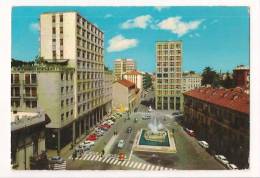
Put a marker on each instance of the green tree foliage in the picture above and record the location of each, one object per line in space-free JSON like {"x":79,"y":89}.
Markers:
{"x":148,"y":80}
{"x":211,"y":77}
{"x":228,"y":82}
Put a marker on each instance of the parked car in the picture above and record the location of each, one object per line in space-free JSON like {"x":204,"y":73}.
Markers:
{"x":110,"y":122}
{"x":190,"y":132}
{"x":232,"y":167}
{"x":85,"y":147}
{"x":204,"y":144}
{"x":107,"y":125}
{"x":129,"y":129}
{"x":56,"y":160}
{"x":102,"y":127}
{"x":90,"y":143}
{"x":92,"y":137}
{"x":222,"y":159}
{"x":121,"y":144}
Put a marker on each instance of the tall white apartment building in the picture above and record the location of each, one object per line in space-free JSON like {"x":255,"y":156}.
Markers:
{"x":190,"y":81}
{"x":67,"y":36}
{"x":122,"y":66}
{"x":168,"y":94}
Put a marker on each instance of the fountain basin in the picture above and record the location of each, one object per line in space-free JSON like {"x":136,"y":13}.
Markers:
{"x":159,"y":139}
{"x":157,"y":143}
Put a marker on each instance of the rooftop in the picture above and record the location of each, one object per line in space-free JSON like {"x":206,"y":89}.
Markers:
{"x":126,"y":83}
{"x":21,"y":120}
{"x":191,"y":75}
{"x":242,"y":67}
{"x":133,"y":72}
{"x":236,"y":99}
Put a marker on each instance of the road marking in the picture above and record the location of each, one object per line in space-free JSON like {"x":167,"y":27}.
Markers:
{"x":161,"y":168}
{"x":152,"y":167}
{"x":104,"y":159}
{"x":131,"y":164}
{"x":112,"y":160}
{"x":108,"y":160}
{"x":139,"y":165}
{"x":115,"y":162}
{"x":123,"y":163}
{"x":148,"y":166}
{"x":135,"y":165}
{"x":100,"y":158}
{"x":85,"y":156}
{"x":143,"y":166}
{"x":157,"y":168}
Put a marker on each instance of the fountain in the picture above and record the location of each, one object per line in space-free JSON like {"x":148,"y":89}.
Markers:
{"x":156,"y":138}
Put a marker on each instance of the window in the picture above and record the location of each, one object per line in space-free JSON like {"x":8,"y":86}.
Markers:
{"x":28,"y":104}
{"x":16,"y":91}
{"x":61,"y":76}
{"x":61,"y":54}
{"x":33,"y":76}
{"x":61,"y":18}
{"x":53,"y":30}
{"x":61,"y":30}
{"x":34,"y":104}
{"x":27,"y":78}
{"x":61,"y":42}
{"x":61,"y":90}
{"x":71,"y":112}
{"x":54,"y":54}
{"x":62,"y":117}
{"x":53,"y":19}
{"x":67,"y":114}
{"x":54,"y":40}
{"x":34,"y":91}
{"x":27,"y":91}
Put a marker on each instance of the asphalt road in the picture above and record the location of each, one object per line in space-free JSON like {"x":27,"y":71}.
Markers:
{"x":189,"y":156}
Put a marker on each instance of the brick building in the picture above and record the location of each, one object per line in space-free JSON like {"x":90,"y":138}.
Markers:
{"x":220,"y":117}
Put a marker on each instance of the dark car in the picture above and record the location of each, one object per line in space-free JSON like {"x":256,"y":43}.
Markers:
{"x":129,"y":129}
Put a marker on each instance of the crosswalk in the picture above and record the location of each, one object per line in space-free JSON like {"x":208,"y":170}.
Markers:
{"x":113,"y":160}
{"x":60,"y":166}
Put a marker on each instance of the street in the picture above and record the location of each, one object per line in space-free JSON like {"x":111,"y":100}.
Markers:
{"x":190,"y":155}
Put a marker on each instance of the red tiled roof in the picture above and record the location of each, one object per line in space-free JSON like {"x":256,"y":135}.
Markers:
{"x":133,"y":72}
{"x":126,"y":83}
{"x":235,"y":99}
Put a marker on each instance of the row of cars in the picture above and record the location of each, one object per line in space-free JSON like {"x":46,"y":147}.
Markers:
{"x":222,"y":159}
{"x":98,"y":132}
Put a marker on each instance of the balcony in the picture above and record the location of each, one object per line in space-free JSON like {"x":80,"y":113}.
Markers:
{"x":15,"y":82}
{"x":29,"y":83}
{"x":27,"y":96}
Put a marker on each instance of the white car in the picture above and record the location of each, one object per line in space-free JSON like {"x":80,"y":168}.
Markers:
{"x":222,"y":159}
{"x":90,"y":143}
{"x":232,"y":167}
{"x":204,"y":144}
{"x":110,"y":122}
{"x":121,"y":144}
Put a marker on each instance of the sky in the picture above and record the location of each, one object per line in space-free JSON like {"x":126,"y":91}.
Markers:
{"x":212,"y":36}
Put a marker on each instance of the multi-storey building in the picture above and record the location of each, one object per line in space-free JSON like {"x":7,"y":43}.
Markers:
{"x":190,"y":81}
{"x":168,"y":75}
{"x":108,"y":82}
{"x":122,"y":66}
{"x":135,"y":77}
{"x":125,"y":95}
{"x":27,"y":137}
{"x":220,"y":117}
{"x":67,"y":35}
{"x":51,"y":88}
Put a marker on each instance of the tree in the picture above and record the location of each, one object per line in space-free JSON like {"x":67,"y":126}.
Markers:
{"x":209,"y":76}
{"x":228,"y":82}
{"x":148,"y":80}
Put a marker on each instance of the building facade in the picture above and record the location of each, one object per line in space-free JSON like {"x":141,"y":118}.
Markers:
{"x":122,"y":66}
{"x":126,"y":97}
{"x":27,"y":137}
{"x":108,"y":82}
{"x":190,"y":81}
{"x":135,"y":77}
{"x":168,"y":94}
{"x":241,"y":76}
{"x":220,"y":117}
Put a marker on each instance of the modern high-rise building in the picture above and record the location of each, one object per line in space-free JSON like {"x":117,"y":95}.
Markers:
{"x":71,"y":95}
{"x":122,"y":66}
{"x":168,"y":94}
